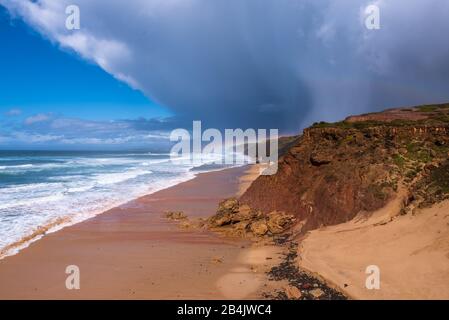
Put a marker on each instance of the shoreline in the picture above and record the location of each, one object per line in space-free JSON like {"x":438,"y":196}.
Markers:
{"x":139,"y":242}
{"x":131,"y":252}
{"x":62,"y":222}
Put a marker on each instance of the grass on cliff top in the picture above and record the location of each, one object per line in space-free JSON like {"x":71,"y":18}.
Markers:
{"x":433,"y":107}
{"x":366,"y":124}
{"x":399,"y":161}
{"x":440,"y":177}
{"x":416,"y":151}
{"x":440,"y":118}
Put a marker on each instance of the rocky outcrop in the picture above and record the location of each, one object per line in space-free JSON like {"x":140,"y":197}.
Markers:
{"x":241,"y":220}
{"x":336,"y":170}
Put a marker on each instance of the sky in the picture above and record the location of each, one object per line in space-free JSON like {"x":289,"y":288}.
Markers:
{"x":136,"y":70}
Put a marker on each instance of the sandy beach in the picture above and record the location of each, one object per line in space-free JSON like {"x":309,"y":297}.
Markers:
{"x":133,"y":252}
{"x":411,"y":252}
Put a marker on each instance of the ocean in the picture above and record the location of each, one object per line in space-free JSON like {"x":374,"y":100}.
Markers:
{"x":59,"y":188}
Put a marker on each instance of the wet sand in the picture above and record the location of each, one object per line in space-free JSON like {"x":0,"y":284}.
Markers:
{"x":133,"y":252}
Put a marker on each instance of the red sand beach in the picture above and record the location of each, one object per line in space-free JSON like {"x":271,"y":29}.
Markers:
{"x":133,"y":252}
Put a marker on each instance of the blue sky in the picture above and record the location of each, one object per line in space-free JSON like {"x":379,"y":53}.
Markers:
{"x":38,"y":77}
{"x":261,"y":64}
{"x":42,"y":83}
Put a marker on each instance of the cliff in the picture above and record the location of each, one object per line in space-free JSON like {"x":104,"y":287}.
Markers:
{"x":335,"y":171}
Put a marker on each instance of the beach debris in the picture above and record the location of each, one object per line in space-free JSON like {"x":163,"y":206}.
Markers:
{"x":293,"y":293}
{"x":241,"y":220}
{"x":175,"y":215}
{"x":317,"y":293}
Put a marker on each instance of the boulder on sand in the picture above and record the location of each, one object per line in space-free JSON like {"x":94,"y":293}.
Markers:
{"x":259,"y":228}
{"x":230,"y":205}
{"x":237,"y":219}
{"x":225,"y":213}
{"x":244,"y":213}
{"x":279,"y":221}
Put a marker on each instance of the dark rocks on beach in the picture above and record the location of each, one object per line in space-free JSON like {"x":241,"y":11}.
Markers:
{"x":310,"y":287}
{"x":241,"y":220}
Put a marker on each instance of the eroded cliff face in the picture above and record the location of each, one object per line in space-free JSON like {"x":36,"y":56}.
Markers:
{"x":335,"y":171}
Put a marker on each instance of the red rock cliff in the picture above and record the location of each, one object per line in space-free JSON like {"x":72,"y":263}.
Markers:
{"x":334,"y":171}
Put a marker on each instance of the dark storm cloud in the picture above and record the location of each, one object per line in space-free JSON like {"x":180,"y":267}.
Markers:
{"x":260,"y":63}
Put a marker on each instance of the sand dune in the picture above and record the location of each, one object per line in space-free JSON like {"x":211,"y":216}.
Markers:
{"x":412,"y":252}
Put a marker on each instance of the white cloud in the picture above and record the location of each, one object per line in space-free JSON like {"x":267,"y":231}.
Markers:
{"x":35,"y":138}
{"x":14,"y":112}
{"x":37,"y":118}
{"x":54,"y":132}
{"x":48,"y":16}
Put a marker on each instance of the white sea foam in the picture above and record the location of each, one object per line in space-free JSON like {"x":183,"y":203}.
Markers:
{"x":113,"y":178}
{"x":32,"y":201}
{"x":78,"y":188}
